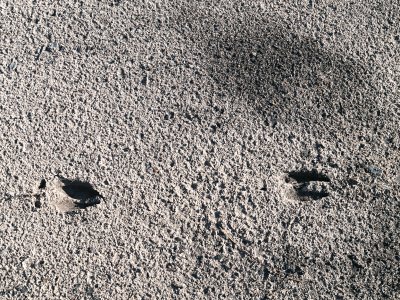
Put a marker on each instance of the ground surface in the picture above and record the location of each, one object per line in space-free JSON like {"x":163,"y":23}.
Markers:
{"x":238,"y":149}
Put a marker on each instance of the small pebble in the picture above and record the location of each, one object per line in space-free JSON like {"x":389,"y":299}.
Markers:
{"x":51,"y":47}
{"x":12,"y":66}
{"x":374,"y":170}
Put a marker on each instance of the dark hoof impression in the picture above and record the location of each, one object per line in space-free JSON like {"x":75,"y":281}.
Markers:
{"x":308,"y":184}
{"x":306,"y":176}
{"x":81,"y":191}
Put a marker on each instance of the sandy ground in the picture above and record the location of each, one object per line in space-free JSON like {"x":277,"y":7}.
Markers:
{"x":199,"y":149}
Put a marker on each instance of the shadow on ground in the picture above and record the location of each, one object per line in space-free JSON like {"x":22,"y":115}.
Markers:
{"x":282,"y":75}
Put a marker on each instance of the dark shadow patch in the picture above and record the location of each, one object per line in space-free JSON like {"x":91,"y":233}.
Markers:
{"x":42,"y":184}
{"x":176,"y":288}
{"x":354,"y":261}
{"x":86,"y":203}
{"x":352,"y":182}
{"x":81,"y":191}
{"x":37,"y":203}
{"x":306,"y":176}
{"x":309,"y":185}
{"x":284,"y":76}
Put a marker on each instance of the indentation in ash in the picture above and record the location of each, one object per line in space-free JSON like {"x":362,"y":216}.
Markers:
{"x":309,"y":185}
{"x":70,"y":195}
{"x":306,"y":176}
{"x":42,"y":184}
{"x":81,"y":191}
{"x":37,"y":196}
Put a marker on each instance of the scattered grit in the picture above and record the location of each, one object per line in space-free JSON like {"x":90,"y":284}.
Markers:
{"x":199,"y":149}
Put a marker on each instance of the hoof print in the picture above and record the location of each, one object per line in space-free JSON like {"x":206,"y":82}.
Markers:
{"x":72,"y":195}
{"x":42,"y":184}
{"x":307,"y":176}
{"x":309,"y":185}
